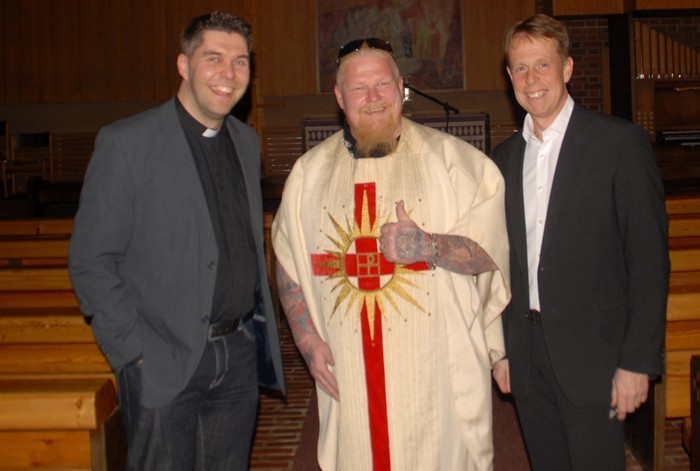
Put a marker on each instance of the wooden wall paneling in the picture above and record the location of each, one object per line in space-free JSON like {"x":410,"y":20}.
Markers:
{"x":484,"y":24}
{"x":20,"y":54}
{"x":286,"y":50}
{"x":3,"y":51}
{"x":666,"y":4}
{"x":590,"y":7}
{"x":142,"y":41}
{"x":63,"y":75}
{"x":94,"y":51}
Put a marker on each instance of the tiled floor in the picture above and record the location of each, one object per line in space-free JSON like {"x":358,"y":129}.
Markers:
{"x":280,"y":423}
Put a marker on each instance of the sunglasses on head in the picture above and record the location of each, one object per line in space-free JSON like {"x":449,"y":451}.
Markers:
{"x":356,"y":45}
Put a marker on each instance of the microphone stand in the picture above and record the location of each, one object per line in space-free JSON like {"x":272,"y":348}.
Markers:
{"x":446,"y":106}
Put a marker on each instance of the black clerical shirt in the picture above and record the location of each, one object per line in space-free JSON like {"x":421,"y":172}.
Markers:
{"x":225,"y":191}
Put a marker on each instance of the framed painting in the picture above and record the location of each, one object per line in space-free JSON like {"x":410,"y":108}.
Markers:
{"x":426,"y":36}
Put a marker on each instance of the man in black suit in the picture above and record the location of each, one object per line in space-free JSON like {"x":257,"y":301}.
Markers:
{"x":167,"y":260}
{"x":589,"y":262}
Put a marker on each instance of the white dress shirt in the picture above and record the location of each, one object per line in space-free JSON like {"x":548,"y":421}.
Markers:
{"x":541,"y":157}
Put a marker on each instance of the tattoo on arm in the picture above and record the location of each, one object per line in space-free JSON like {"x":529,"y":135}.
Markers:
{"x":462,"y":255}
{"x":411,"y":245}
{"x":294,"y":306}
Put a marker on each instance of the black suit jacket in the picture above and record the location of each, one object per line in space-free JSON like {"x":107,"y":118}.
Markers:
{"x":604,"y":267}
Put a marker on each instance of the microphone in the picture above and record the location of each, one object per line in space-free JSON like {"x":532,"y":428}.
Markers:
{"x":406,"y":90}
{"x":407,"y":109}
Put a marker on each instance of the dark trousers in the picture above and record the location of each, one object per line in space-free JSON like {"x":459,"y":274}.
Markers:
{"x":209,"y":425}
{"x":560,"y":436}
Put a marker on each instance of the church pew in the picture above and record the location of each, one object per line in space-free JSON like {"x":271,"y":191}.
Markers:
{"x":44,"y":325}
{"x":683,"y":225}
{"x":683,"y":315}
{"x":38,"y":298}
{"x":49,"y":342}
{"x":36,"y":359}
{"x":683,"y":204}
{"x":34,"y":279}
{"x":46,"y":343}
{"x":645,"y":429}
{"x":36,"y":227}
{"x":33,"y":251}
{"x":60,"y":424}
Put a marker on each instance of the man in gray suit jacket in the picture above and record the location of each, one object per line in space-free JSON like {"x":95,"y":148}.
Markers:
{"x":589,"y":263}
{"x":167,"y":261}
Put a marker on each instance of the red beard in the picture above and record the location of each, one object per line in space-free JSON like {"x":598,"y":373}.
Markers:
{"x":375,"y":138}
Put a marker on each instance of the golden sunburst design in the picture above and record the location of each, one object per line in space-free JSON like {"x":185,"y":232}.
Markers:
{"x":361,"y":274}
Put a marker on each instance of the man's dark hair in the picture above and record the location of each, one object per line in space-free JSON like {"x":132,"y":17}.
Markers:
{"x":191,"y":37}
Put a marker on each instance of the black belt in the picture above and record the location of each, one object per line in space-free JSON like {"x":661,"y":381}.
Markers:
{"x":534,"y":316}
{"x":224,"y":328}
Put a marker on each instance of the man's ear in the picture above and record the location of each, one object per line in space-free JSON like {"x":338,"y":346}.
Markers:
{"x":568,"y":69}
{"x":339,"y":97}
{"x":183,"y":65}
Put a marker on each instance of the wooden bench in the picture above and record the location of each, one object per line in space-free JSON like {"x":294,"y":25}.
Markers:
{"x":36,"y":227}
{"x":25,"y":251}
{"x":670,"y":398}
{"x":49,"y":342}
{"x":683,"y":314}
{"x":60,"y":424}
{"x":58,"y":407}
{"x":41,"y":244}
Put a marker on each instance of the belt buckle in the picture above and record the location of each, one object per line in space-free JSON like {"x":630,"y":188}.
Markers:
{"x":220,"y":330}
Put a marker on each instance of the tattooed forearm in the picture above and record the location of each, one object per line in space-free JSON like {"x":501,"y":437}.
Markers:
{"x":294,"y":306}
{"x":463,"y":255}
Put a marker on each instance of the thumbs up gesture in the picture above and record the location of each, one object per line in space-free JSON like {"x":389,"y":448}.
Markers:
{"x":403,"y":242}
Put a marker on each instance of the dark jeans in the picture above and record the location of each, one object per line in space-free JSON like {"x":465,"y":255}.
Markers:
{"x":209,"y":425}
{"x":560,"y":436}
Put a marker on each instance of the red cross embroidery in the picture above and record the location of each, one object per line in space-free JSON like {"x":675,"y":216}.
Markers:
{"x":366,"y":267}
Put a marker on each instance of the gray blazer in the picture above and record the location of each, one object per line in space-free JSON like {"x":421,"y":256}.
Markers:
{"x":143,"y":252}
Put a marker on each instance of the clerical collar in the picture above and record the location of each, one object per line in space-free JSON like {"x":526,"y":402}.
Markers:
{"x":192,"y":124}
{"x":351,"y":144}
{"x":208,"y":132}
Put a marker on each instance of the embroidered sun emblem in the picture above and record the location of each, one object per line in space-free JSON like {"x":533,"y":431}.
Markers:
{"x":360,"y":273}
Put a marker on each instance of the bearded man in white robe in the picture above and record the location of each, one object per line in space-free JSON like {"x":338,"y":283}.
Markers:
{"x":392,"y":267}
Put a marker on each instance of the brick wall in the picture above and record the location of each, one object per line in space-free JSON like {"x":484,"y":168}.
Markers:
{"x":589,"y":39}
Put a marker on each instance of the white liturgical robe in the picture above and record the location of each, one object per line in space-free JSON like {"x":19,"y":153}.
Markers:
{"x":413,"y":347}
